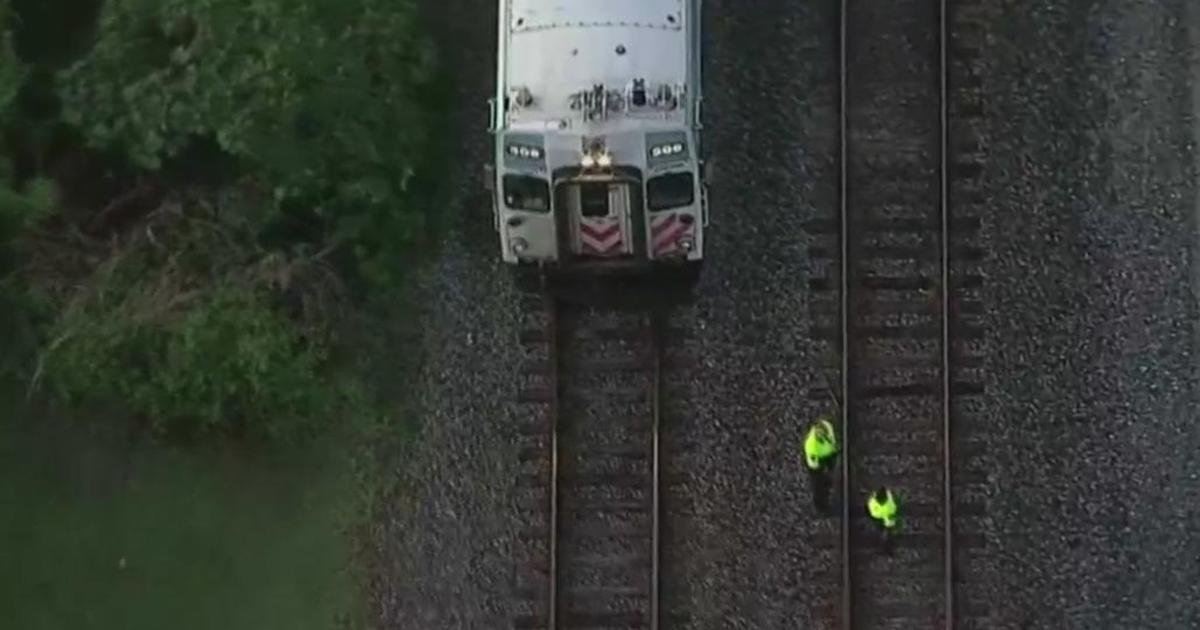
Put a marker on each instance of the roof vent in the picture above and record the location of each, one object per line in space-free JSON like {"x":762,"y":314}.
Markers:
{"x":523,"y":97}
{"x":639,"y":93}
{"x":665,"y":97}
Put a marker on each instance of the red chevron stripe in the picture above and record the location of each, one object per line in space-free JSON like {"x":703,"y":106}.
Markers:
{"x":593,"y":248}
{"x":600,"y":245}
{"x":671,"y":236}
{"x":599,"y":232}
{"x":670,"y":229}
{"x":668,"y":243}
{"x":662,"y":223}
{"x":600,"y":237}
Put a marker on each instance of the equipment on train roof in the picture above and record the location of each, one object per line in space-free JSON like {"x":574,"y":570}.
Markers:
{"x":597,"y":164}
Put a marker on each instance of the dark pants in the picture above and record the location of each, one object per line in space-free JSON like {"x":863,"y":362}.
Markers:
{"x":887,"y":536}
{"x":822,"y":485}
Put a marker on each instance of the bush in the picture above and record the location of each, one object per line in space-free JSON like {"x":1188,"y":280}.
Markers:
{"x":19,"y":212}
{"x":16,"y":210}
{"x":317,"y":97}
{"x":12,"y":76}
{"x":186,"y":325}
{"x":183,"y":314}
{"x":20,"y":209}
{"x":228,"y":364}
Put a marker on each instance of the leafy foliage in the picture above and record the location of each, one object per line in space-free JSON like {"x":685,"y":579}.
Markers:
{"x":168,"y":301}
{"x":12,"y":77}
{"x":318,"y":97}
{"x":20,"y":206}
{"x":182,"y":324}
{"x":12,"y":74}
{"x":20,"y":209}
{"x":228,"y":360}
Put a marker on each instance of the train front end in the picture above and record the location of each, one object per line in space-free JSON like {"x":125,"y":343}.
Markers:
{"x":597,"y":166}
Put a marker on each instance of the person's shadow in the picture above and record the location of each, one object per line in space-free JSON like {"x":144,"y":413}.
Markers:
{"x":822,"y":491}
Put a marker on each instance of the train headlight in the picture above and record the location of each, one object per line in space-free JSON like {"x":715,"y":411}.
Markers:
{"x":686,"y":243}
{"x":519,"y":245}
{"x":602,"y":159}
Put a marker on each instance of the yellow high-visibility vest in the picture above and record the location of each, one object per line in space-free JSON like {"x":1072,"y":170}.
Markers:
{"x":819,"y":444}
{"x":885,"y":511}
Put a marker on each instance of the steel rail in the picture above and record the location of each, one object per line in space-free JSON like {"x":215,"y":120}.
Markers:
{"x":552,"y":525}
{"x":654,"y":333}
{"x":656,"y":409}
{"x":944,"y":202}
{"x":845,"y":316}
{"x":843,"y":212}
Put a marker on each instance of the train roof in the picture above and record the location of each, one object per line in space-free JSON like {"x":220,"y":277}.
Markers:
{"x":560,"y":48}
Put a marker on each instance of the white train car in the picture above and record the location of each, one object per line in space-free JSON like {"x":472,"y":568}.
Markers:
{"x":596,"y":119}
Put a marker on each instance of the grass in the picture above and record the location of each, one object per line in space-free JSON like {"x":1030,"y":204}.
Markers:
{"x":210,"y":538}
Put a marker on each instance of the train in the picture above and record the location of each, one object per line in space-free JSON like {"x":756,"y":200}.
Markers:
{"x":598,"y":166}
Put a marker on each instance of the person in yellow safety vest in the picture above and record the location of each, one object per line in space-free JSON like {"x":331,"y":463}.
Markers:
{"x":820,"y":449}
{"x":820,"y":445}
{"x":884,"y":510}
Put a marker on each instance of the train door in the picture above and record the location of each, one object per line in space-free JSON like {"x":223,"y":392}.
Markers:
{"x":599,"y":217}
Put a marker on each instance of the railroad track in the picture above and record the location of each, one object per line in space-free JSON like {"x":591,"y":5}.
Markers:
{"x":898,"y":283}
{"x":591,"y":494}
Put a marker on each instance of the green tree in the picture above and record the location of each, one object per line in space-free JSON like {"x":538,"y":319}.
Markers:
{"x":21,"y":207}
{"x":318,"y":98}
{"x":181,"y":322}
{"x":172,"y":306}
{"x":16,"y":210}
{"x":12,"y":71}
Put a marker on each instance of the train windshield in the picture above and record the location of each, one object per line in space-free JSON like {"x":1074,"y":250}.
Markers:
{"x":522,"y":192}
{"x":592,"y":199}
{"x":670,"y":191}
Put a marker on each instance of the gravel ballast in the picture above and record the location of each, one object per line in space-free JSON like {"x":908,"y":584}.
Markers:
{"x":1092,"y":374}
{"x":445,"y":545}
{"x":1091,"y":337}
